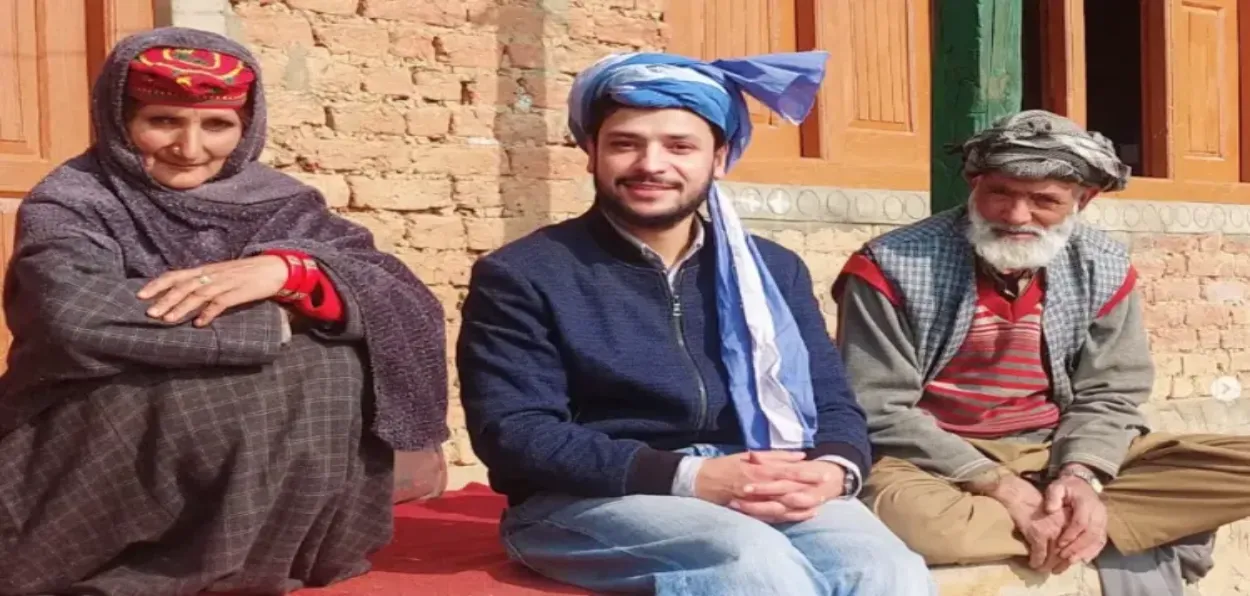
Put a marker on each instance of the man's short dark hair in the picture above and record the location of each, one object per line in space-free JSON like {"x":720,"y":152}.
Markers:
{"x":604,"y":107}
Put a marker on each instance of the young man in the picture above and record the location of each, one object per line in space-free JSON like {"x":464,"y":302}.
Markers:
{"x":1000,"y":354}
{"x":656,"y":393}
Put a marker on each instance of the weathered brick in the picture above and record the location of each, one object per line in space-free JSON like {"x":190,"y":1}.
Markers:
{"x":439,"y":266}
{"x":581,"y":22}
{"x":328,"y":73}
{"x":387,"y":228}
{"x":1239,"y":360}
{"x":1178,"y":290}
{"x":1204,"y":364}
{"x":474,"y":121}
{"x":333,"y":188}
{"x":526,"y":54}
{"x":525,"y":197}
{"x":1175,"y":340}
{"x":546,"y":90}
{"x":474,"y":50}
{"x":360,"y":38}
{"x":1181,"y":243}
{"x":1150,"y":264}
{"x":486,"y":234}
{"x":389,"y":80}
{"x":1210,"y":242}
{"x":412,"y":41}
{"x":548,"y":162}
{"x":440,"y":86}
{"x":459,"y":160}
{"x":367,"y":118}
{"x":348,"y":153}
{"x":1241,"y":314}
{"x":1210,"y":265}
{"x":446,"y":13}
{"x":838,"y":240}
{"x":614,"y":27}
{"x":1163,"y":316}
{"x":1161,"y":389}
{"x":1167,"y":364}
{"x":400,"y":193}
{"x":490,"y":90}
{"x":577,"y":56}
{"x":478,"y":193}
{"x":277,"y":29}
{"x":1208,"y":338}
{"x":1238,"y":245}
{"x":519,"y":128}
{"x":429,"y":121}
{"x":1182,"y":388}
{"x":1207,"y":315}
{"x":341,"y":7}
{"x":1235,"y":338}
{"x":1224,"y":291}
{"x":438,"y":232}
{"x":295,"y":109}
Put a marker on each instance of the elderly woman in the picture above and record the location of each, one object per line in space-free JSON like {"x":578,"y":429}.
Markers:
{"x":210,"y":370}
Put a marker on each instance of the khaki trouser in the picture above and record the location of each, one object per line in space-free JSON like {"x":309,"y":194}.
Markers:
{"x":1170,"y":487}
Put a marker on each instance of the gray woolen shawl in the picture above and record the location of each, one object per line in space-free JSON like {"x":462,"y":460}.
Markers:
{"x":248,"y":208}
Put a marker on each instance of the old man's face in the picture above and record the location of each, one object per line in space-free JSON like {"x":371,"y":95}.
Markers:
{"x":1019,"y":224}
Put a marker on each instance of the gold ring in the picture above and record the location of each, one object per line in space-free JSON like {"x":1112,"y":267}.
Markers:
{"x":204,"y":280}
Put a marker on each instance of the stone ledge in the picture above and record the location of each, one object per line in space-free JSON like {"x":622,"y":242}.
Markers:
{"x":784,"y":203}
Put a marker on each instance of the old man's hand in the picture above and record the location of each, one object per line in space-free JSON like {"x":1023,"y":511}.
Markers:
{"x":1040,"y":526}
{"x":212,"y":289}
{"x":1085,"y":534}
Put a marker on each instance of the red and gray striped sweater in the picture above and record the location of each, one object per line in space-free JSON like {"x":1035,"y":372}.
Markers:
{"x":997,"y":385}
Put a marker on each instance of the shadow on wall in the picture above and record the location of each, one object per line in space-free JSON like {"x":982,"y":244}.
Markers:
{"x":523,"y":121}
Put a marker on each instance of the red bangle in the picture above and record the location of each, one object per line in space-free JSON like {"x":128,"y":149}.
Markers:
{"x":331,"y":308}
{"x":301,"y":275}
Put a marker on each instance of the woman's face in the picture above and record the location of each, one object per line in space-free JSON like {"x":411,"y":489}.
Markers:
{"x":184,"y":147}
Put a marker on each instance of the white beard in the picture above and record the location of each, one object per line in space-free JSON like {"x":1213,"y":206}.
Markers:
{"x":1008,"y":254}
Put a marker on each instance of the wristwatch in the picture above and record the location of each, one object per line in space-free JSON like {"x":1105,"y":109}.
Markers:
{"x":1085,"y":475}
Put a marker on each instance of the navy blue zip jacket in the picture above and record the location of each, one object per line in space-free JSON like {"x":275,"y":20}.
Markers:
{"x":581,"y":369}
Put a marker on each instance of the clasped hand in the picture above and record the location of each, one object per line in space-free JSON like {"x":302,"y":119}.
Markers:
{"x":211,"y":289}
{"x":1065,"y":526}
{"x":772,"y":486}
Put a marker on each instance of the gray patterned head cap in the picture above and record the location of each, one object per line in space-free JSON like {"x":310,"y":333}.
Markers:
{"x":1037,"y":145}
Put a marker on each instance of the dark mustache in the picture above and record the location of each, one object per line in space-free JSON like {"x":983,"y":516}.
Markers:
{"x":647,"y":180}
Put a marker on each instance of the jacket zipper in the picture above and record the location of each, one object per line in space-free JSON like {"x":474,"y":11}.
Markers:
{"x":675,"y":303}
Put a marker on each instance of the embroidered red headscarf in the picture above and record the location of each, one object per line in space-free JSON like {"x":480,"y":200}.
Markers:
{"x":189,"y":77}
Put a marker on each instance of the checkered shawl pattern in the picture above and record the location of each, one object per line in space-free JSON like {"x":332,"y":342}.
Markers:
{"x":140,"y":457}
{"x":931,"y":263}
{"x":247,"y":208}
{"x":169,"y":481}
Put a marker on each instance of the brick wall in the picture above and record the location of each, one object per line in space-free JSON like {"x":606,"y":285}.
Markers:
{"x":440,"y":125}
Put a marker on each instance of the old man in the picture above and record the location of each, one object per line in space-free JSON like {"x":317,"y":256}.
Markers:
{"x":1000,"y":355}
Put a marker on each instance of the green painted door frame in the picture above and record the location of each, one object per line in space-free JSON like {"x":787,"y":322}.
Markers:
{"x":976,"y":80}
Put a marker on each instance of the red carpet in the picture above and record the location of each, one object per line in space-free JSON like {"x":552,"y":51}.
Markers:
{"x":447,"y":547}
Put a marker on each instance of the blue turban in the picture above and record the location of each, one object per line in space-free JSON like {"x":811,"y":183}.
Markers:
{"x":767,"y":361}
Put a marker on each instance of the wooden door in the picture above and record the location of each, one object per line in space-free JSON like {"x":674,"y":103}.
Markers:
{"x":1203,"y":67}
{"x":49,"y":52}
{"x":712,"y":29}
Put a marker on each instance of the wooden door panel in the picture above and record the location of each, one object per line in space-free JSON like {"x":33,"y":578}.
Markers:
{"x":736,"y":28}
{"x":878,"y":80}
{"x":44,"y":111}
{"x":1205,"y":89}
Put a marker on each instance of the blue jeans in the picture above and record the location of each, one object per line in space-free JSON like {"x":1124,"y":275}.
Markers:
{"x":677,"y":545}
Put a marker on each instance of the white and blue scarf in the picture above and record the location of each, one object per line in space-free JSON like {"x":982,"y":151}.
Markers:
{"x":763,"y":351}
